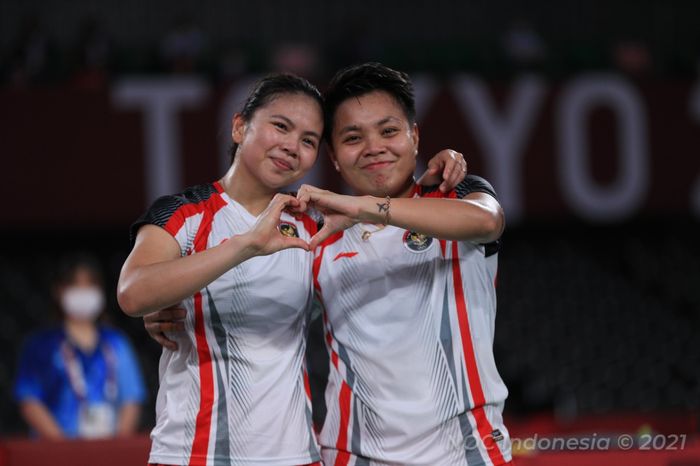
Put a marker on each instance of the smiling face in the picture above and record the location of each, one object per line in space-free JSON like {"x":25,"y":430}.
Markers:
{"x":374,"y":145}
{"x":279,"y":143}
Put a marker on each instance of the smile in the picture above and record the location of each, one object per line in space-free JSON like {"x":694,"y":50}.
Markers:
{"x":376,"y":165}
{"x":282,"y":164}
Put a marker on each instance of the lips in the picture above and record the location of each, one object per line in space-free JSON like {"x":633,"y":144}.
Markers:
{"x":282,"y":164}
{"x":378,"y":165}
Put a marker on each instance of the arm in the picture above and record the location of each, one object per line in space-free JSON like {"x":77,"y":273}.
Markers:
{"x":40,"y":419}
{"x":128,"y":421}
{"x":155,"y":276}
{"x":478,"y":217}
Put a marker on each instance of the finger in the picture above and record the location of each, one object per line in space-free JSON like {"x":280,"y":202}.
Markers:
{"x":429,"y":172}
{"x":172,"y":313}
{"x":320,"y":236}
{"x":290,"y":243}
{"x":165,"y":342}
{"x":175,"y":326}
{"x":446,"y":174}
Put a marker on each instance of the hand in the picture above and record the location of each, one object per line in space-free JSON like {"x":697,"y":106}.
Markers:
{"x":170,"y":319}
{"x":265,"y":235}
{"x":339,"y":212}
{"x":447,"y":167}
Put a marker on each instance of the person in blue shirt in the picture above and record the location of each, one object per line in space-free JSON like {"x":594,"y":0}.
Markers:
{"x":82,"y":379}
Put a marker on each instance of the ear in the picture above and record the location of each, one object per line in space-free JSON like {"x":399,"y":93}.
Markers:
{"x":238,"y":126}
{"x":415,"y":138}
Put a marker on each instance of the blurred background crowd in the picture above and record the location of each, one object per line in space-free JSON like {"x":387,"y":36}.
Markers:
{"x":599,"y":306}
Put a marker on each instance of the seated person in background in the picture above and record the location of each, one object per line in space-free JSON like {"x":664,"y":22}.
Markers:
{"x":81,"y":379}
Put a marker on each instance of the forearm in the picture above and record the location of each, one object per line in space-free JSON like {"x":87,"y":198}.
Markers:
{"x":128,"y":421}
{"x":150,"y":287}
{"x":41,"y":420}
{"x":448,"y":219}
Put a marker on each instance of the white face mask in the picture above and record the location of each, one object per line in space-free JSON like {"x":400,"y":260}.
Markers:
{"x":83,"y":302}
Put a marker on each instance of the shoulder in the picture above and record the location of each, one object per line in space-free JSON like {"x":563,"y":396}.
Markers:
{"x":470,"y":184}
{"x":474,"y":184}
{"x":43,"y":341}
{"x":175,"y":206}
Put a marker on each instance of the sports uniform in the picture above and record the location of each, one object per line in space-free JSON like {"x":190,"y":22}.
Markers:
{"x":235,"y":391}
{"x":409,"y":324}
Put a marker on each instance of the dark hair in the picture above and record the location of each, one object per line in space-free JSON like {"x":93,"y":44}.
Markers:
{"x":271,"y":86}
{"x":71,"y":263}
{"x":359,"y":80}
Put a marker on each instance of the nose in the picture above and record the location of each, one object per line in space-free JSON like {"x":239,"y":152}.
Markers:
{"x":290,"y":146}
{"x":374,"y":146}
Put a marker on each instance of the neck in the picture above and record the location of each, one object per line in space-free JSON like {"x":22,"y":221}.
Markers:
{"x":81,"y":332}
{"x":246,"y":189}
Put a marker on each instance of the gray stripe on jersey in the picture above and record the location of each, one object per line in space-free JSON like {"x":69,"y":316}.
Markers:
{"x":313,"y":449}
{"x":355,"y":439}
{"x":471,"y":441}
{"x":222,"y":443}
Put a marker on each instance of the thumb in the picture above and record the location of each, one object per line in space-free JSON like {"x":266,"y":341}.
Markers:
{"x":299,"y":243}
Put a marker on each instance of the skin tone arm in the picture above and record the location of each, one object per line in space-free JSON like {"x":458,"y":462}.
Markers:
{"x":154,"y":275}
{"x":128,"y":421}
{"x":478,"y":217}
{"x":41,"y":420}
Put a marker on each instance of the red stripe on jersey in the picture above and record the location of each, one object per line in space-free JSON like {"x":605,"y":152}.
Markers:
{"x":343,"y":458}
{"x":309,"y":224}
{"x":345,"y":254}
{"x":177,"y":219}
{"x":342,"y":443}
{"x":200,"y":444}
{"x":317,"y":260}
{"x":482,"y":423}
{"x":198,"y":457}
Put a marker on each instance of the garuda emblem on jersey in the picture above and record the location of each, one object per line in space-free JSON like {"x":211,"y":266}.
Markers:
{"x":288,"y":229}
{"x":417,"y":242}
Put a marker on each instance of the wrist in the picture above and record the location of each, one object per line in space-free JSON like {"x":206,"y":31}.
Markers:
{"x":245,"y":245}
{"x":376,"y":210}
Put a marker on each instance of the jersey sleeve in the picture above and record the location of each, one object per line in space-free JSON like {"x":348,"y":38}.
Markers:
{"x":474,"y":184}
{"x":169,"y":213}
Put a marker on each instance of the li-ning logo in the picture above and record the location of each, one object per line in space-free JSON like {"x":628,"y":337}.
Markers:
{"x":288,"y":229}
{"x":416,"y":242}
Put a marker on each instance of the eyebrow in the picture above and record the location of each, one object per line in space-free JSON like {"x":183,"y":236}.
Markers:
{"x":291,"y":123}
{"x":381,"y":122}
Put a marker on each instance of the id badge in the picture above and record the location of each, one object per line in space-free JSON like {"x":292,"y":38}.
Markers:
{"x":96,"y":420}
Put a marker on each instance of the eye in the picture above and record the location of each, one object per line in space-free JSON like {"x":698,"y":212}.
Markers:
{"x":309,"y":142}
{"x":390,"y":131}
{"x":280,"y":125}
{"x":350,"y":139}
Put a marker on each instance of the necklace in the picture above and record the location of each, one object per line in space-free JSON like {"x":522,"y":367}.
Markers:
{"x":366,"y":234}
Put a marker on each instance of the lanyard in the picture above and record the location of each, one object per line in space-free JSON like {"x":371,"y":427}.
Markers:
{"x":76,"y":374}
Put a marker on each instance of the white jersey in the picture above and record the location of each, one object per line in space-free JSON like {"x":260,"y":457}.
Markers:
{"x":409,"y":324}
{"x":235,"y":392}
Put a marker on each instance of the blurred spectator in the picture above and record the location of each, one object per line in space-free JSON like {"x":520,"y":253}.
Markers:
{"x":631,"y":57}
{"x":182,"y":49}
{"x":30,"y":59}
{"x":523,"y":46}
{"x":80,"y":380}
{"x":298,"y":58}
{"x":94,"y":56}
